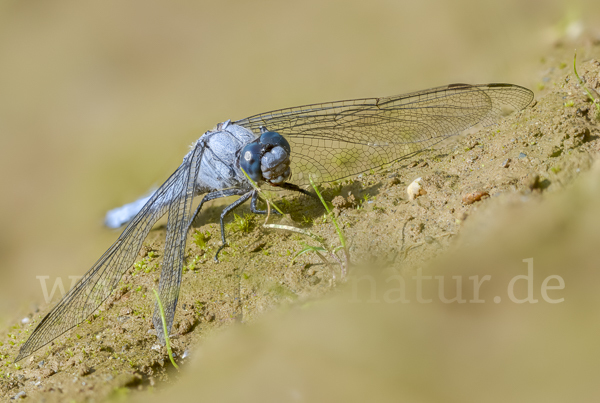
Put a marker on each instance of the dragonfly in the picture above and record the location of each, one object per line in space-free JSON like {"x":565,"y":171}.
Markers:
{"x":282,"y":148}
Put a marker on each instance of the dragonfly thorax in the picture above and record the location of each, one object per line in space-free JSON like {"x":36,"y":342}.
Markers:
{"x":267,"y":159}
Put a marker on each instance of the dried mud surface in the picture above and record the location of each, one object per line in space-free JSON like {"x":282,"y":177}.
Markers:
{"x":527,"y":156}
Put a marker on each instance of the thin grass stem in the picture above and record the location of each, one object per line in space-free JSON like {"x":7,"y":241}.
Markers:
{"x":589,"y":94}
{"x":164,"y":323}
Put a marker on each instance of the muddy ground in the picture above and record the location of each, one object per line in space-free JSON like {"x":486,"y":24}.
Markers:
{"x":526,"y":158}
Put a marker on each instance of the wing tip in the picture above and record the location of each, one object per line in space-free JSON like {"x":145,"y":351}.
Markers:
{"x":22,"y":354}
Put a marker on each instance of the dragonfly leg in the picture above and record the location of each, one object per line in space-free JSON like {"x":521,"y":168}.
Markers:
{"x":224,"y":214}
{"x":212,"y":196}
{"x":253,"y":204}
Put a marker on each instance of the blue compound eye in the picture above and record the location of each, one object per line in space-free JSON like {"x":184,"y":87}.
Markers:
{"x":250,"y":161}
{"x":275,"y":139}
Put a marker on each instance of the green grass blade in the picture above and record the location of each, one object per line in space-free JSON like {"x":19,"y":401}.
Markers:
{"x":164,"y":322}
{"x":337,"y":227}
{"x":310,"y":248}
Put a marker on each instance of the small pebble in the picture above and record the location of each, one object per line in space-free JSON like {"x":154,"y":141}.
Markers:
{"x":25,"y":320}
{"x":506,"y":163}
{"x":20,"y":395}
{"x":471,"y":198}
{"x":472,"y":144}
{"x":415,"y":190}
{"x":393,"y":181}
{"x":47,"y":372}
{"x":341,"y":203}
{"x":186,"y":326}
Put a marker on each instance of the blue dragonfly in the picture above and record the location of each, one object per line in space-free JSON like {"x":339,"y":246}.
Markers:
{"x":328,"y":141}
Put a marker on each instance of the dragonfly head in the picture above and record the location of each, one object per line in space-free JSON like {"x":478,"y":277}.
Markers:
{"x":267,"y":159}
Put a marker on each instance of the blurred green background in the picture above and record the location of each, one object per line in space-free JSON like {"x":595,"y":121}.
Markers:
{"x":100,"y":100}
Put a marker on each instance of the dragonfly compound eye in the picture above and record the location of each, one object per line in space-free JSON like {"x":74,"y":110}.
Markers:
{"x":275,"y":139}
{"x":250,"y":161}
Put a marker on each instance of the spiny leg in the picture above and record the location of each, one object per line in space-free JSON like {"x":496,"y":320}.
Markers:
{"x":245,"y":195}
{"x":256,"y":210}
{"x":224,"y":214}
{"x":215,"y":195}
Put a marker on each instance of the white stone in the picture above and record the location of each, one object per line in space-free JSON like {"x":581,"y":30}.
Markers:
{"x":415,"y":190}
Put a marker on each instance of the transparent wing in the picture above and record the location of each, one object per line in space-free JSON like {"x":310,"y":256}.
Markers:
{"x":179,"y":218}
{"x":335,"y":140}
{"x":98,"y":283}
